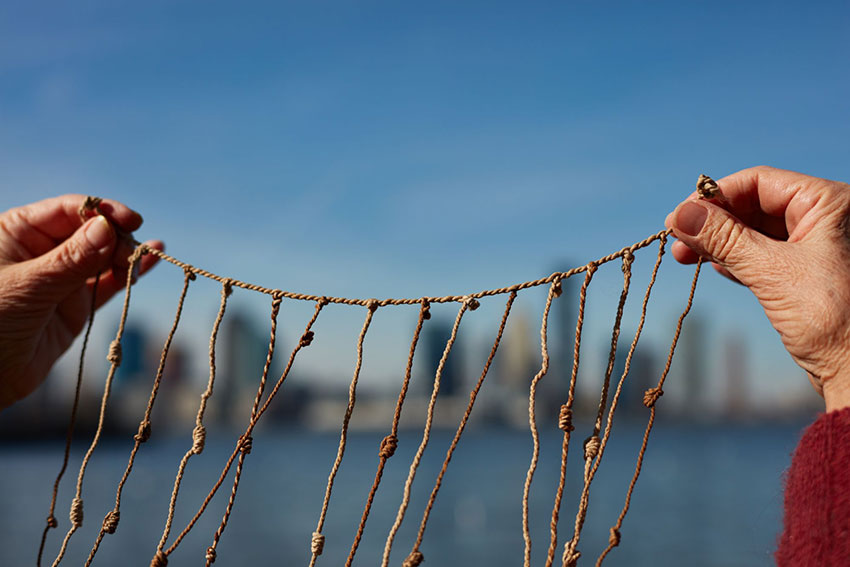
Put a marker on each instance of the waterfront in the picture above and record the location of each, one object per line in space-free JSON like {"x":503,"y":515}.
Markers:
{"x":709,"y":495}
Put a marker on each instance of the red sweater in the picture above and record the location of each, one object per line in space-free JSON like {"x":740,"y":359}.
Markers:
{"x":817,"y":497}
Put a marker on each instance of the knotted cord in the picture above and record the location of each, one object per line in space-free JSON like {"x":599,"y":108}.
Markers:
{"x":594,"y":446}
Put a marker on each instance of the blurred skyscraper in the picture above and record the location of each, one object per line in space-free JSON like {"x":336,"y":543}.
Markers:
{"x":436,"y":335}
{"x":134,"y":344}
{"x":553,"y":389}
{"x":243,"y":349}
{"x":735,"y":365}
{"x":691,"y":363}
{"x":642,"y":373}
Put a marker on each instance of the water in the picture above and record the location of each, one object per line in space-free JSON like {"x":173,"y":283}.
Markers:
{"x":708,"y":496}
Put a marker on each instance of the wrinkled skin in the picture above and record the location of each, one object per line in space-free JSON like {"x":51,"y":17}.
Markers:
{"x":785,"y":236}
{"x":49,"y":258}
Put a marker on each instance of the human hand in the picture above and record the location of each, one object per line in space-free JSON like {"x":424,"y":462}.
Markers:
{"x":49,"y":259}
{"x":786,"y":236}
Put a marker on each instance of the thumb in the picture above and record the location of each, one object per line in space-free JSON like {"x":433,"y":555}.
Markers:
{"x":83,"y":255}
{"x":717,"y":235}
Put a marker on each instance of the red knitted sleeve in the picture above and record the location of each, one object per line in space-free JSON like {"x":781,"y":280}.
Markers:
{"x":817,"y":496}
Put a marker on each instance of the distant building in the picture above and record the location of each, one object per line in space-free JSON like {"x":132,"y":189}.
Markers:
{"x":691,"y":355}
{"x":134,"y":344}
{"x":436,"y":336}
{"x":642,"y":374}
{"x":242,"y":348}
{"x":735,"y":366}
{"x":553,"y":389}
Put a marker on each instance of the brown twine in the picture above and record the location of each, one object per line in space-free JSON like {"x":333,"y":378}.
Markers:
{"x":72,"y":420}
{"x":343,"y":436}
{"x":593,"y":445}
{"x":472,"y":397}
{"x":409,"y":301}
{"x":199,"y":432}
{"x":243,"y":445}
{"x":107,"y":388}
{"x":567,"y":427}
{"x":390,"y":442}
{"x":415,"y":559}
{"x":246,"y":441}
{"x":237,"y":450}
{"x":317,"y":543}
{"x":426,"y":435}
{"x":619,"y":524}
{"x":144,"y":432}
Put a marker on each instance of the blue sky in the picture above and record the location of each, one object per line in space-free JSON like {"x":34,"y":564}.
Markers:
{"x":383,"y":148}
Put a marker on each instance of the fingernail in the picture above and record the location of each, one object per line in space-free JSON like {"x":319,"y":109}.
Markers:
{"x":690,"y":218}
{"x":134,"y":273}
{"x":99,"y":233}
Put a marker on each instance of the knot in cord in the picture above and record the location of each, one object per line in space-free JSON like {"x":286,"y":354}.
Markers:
{"x":317,"y":543}
{"x":557,"y":288}
{"x":110,"y":522}
{"x":571,"y":558}
{"x":52,"y":522}
{"x":426,"y":309}
{"x":246,"y":444}
{"x":414,"y":559}
{"x":211,"y":554}
{"x":471,"y":303}
{"x":307,"y":338}
{"x":114,"y":355}
{"x":227,"y":286}
{"x":89,"y":205}
{"x":160,"y":559}
{"x":651,"y":396}
{"x":277,"y":298}
{"x":591,"y":268}
{"x":388,"y":446}
{"x":628,"y":259}
{"x":707,"y":187}
{"x":199,"y":437}
{"x":190,"y":274}
{"x":565,"y":419}
{"x":614,"y":537}
{"x":144,"y":432}
{"x":76,"y":512}
{"x":591,"y":447}
{"x":373,"y":304}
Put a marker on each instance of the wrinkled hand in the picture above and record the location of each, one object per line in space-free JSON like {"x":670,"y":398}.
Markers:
{"x":49,"y":258}
{"x":786,"y":237}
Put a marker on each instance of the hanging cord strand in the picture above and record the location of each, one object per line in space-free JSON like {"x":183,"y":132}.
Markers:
{"x":554,"y":291}
{"x":316,"y":547}
{"x":565,"y":419}
{"x":650,"y":398}
{"x":199,"y":432}
{"x":415,"y":553}
{"x":466,"y":303}
{"x":110,"y":522}
{"x":390,"y":442}
{"x":114,"y":357}
{"x":72,"y":420}
{"x":592,"y":445}
{"x":246,"y":442}
{"x":306,"y":340}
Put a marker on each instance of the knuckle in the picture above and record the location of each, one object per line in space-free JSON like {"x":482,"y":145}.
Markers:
{"x":726,"y":240}
{"x":72,"y":257}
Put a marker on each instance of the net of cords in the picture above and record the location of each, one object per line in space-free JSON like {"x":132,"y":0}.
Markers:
{"x":268,"y":390}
